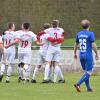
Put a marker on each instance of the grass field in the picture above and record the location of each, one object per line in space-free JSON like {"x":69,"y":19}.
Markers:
{"x":39,"y":91}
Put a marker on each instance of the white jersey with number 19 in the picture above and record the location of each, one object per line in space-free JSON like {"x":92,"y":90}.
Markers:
{"x":26,"y":37}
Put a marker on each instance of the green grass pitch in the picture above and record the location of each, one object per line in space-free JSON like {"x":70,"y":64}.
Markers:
{"x":39,"y":91}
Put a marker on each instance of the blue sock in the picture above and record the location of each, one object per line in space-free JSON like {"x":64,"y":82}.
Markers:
{"x":83,"y":78}
{"x":87,"y":82}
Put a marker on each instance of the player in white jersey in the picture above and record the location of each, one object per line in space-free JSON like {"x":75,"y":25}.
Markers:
{"x":1,"y":54}
{"x":1,"y":48}
{"x":41,"y":36}
{"x":54,"y":51}
{"x":24,"y":37}
{"x":9,"y":53}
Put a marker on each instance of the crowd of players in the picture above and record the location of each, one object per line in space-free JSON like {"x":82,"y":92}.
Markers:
{"x":49,"y":40}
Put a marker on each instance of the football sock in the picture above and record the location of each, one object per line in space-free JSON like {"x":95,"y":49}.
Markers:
{"x":7,"y":78}
{"x":60,"y":73}
{"x":46,"y":72}
{"x":56,"y":72}
{"x":9,"y":71}
{"x":2,"y":69}
{"x":83,"y":78}
{"x":26,"y":71}
{"x":50,"y":73}
{"x":87,"y":82}
{"x":20,"y":72}
{"x":35,"y":72}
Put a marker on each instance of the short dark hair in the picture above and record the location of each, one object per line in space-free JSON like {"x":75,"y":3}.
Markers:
{"x":46,"y":25}
{"x":26,"y":25}
{"x":9,"y":25}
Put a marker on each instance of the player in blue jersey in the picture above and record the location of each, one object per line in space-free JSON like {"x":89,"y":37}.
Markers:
{"x":86,"y":41}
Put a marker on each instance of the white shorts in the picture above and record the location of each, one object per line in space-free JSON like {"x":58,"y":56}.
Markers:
{"x":41,"y":57}
{"x":53,"y":54}
{"x":9,"y":56}
{"x":25,"y":57}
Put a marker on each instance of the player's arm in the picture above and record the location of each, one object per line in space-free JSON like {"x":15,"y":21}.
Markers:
{"x":17,"y":40}
{"x":61,"y":39}
{"x":75,"y":50}
{"x":38,"y":43}
{"x":94,"y":46}
{"x":51,"y":39}
{"x":39,"y":35}
{"x":1,"y":48}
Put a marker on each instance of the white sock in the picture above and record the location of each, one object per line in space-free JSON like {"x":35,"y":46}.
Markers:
{"x":56,"y":72}
{"x":60,"y":74}
{"x":26,"y":72}
{"x":20,"y":72}
{"x":7,"y":78}
{"x":9,"y":71}
{"x":2,"y":69}
{"x":35,"y":72}
{"x":50,"y":73}
{"x":46,"y":72}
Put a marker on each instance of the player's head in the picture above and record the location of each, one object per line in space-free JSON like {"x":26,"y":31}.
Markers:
{"x":55,"y":23}
{"x":85,"y":24}
{"x":11,"y":26}
{"x":26,"y":26}
{"x":46,"y":26}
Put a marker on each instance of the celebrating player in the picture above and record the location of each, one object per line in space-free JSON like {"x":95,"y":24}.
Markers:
{"x":1,"y":54}
{"x":54,"y":51}
{"x":86,"y":41}
{"x":9,"y":53}
{"x":24,"y":37}
{"x":41,"y":36}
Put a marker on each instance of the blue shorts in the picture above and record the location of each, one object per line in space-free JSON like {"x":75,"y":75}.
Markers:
{"x":86,"y":62}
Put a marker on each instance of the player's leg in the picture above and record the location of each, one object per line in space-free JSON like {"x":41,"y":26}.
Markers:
{"x":77,"y":85}
{"x":3,"y":64}
{"x":57,"y":70}
{"x":35,"y":73}
{"x":26,"y":73}
{"x":27,"y":68}
{"x":10,"y":66}
{"x":49,"y":57}
{"x":2,"y":71}
{"x":20,"y":71}
{"x":40,"y":61}
{"x":51,"y":71}
{"x":89,"y":68}
{"x":20,"y":66}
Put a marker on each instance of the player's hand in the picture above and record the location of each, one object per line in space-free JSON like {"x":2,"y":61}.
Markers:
{"x":75,"y":56}
{"x":7,"y":46}
{"x":96,"y":57}
{"x":41,"y":43}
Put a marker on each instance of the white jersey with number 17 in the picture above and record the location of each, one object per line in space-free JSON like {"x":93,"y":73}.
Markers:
{"x":9,"y":38}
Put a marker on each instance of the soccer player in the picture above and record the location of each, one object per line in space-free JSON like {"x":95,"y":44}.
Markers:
{"x":54,"y":51}
{"x":86,"y":41}
{"x":25,"y":38}
{"x":41,"y":36}
{"x":1,"y":54}
{"x":9,"y":53}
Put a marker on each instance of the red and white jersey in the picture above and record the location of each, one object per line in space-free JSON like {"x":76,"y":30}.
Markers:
{"x":43,"y":39}
{"x":26,"y":38}
{"x":9,"y":38}
{"x":55,"y":33}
